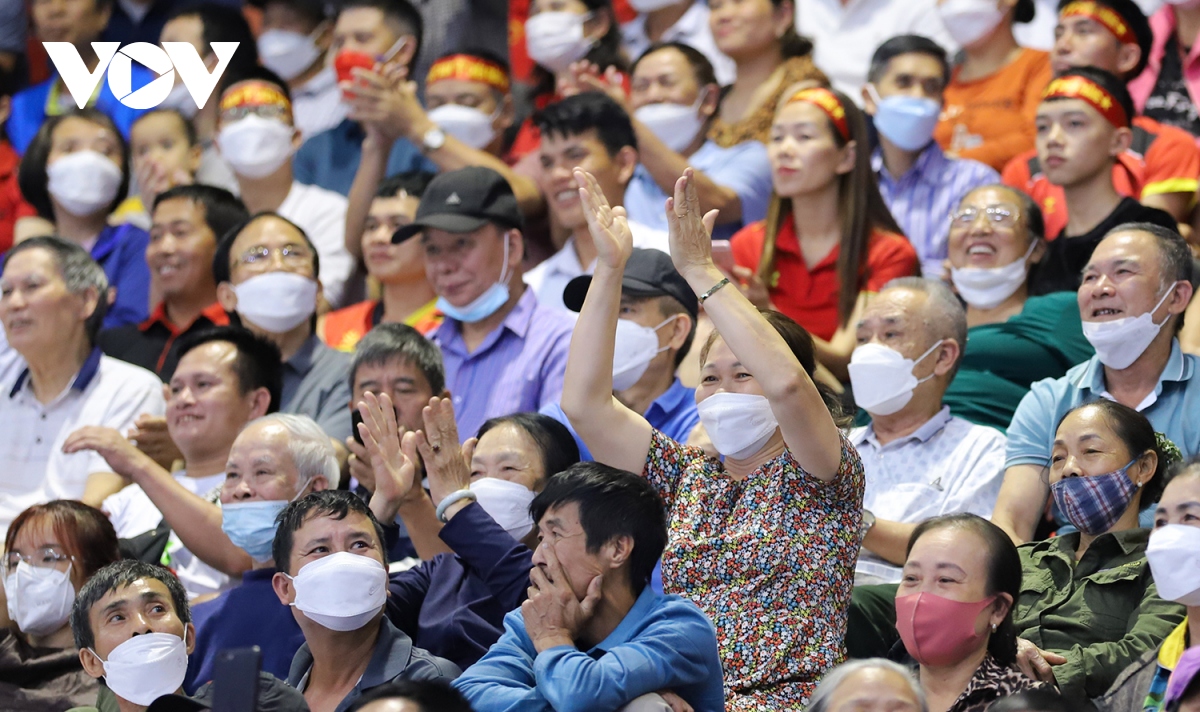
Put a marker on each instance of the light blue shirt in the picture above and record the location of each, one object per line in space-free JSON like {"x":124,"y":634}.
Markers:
{"x":663,"y":643}
{"x":1173,"y":408}
{"x":743,"y":168}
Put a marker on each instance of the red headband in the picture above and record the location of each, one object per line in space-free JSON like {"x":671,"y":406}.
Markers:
{"x":1077,"y":87}
{"x":1105,"y":16}
{"x":468,"y":68}
{"x":828,"y":102}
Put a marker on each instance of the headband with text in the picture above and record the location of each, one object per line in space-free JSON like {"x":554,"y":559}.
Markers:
{"x":252,"y":94}
{"x":1103,"y":14}
{"x":828,"y":102}
{"x":1076,"y":87}
{"x":467,"y":68}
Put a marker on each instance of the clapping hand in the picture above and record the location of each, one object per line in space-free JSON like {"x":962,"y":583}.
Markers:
{"x":394,"y":472}
{"x":385,"y":102}
{"x":609,"y":226}
{"x":691,"y":234}
{"x":446,"y":463}
{"x":553,"y":616}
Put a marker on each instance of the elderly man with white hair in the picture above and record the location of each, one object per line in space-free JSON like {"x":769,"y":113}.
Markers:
{"x":920,"y":461}
{"x":871,"y":684}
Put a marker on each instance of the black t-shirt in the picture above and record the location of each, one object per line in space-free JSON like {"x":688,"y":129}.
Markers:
{"x":1066,"y":256}
{"x":1170,"y":102}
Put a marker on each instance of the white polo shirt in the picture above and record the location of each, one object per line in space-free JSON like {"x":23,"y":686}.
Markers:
{"x":692,"y":30}
{"x":550,"y":278}
{"x":947,"y":466}
{"x":322,"y":215}
{"x":105,"y":392}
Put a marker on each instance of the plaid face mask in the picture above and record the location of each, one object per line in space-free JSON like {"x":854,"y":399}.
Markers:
{"x":1094,"y":504}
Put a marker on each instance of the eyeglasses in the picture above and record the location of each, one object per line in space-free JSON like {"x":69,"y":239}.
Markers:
{"x":291,"y":254}
{"x":266,"y":111}
{"x":46,"y":557}
{"x":998,"y":215}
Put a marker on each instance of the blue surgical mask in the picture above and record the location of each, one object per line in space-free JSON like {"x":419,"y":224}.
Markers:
{"x":485,"y":304}
{"x":907,"y":121}
{"x":251,"y":525}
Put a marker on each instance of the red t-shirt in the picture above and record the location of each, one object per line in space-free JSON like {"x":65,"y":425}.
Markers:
{"x":12,"y":203}
{"x":810,"y":297}
{"x":1161,"y":159}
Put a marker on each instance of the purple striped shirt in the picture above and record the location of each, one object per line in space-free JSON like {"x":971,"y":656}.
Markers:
{"x":517,"y":369}
{"x":923,"y":199}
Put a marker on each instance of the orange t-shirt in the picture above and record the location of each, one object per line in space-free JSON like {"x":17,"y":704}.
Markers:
{"x":1161,"y":159}
{"x":992,"y":119}
{"x":810,"y":297}
{"x":344,"y":328}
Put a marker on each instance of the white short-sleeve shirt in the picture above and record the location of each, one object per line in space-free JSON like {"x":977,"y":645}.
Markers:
{"x":322,"y":215}
{"x":106,"y":392}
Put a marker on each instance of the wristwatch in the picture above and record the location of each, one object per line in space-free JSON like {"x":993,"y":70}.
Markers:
{"x":433,"y":139}
{"x":868,"y":521}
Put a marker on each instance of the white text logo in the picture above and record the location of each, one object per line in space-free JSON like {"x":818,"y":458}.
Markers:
{"x":163,"y":61}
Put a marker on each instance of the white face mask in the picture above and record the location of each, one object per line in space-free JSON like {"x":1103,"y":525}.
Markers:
{"x":84,"y":182}
{"x":342,"y":591}
{"x":636,"y":347}
{"x":555,"y":39}
{"x":988,"y":287}
{"x":1174,"y":556}
{"x":146,"y":667}
{"x":255,"y":147}
{"x":180,"y":99}
{"x":739,"y":424}
{"x":883,"y":379}
{"x":675,"y":125}
{"x":970,"y":20}
{"x":507,"y":503}
{"x":39,"y":598}
{"x":277,"y":301}
{"x":287,"y":53}
{"x":465,"y":123}
{"x":1120,"y":342}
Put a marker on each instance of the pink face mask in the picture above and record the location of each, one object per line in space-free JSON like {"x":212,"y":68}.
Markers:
{"x":938,"y":631}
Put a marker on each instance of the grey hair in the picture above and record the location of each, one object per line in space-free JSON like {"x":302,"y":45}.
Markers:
{"x":819,"y":702}
{"x":78,"y":270}
{"x":944,"y":314}
{"x":310,"y":448}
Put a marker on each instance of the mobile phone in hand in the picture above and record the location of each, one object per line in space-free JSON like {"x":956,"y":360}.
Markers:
{"x":235,"y":679}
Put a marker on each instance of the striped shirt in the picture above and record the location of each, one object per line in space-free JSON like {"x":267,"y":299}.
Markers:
{"x":923,"y":199}
{"x":517,"y":369}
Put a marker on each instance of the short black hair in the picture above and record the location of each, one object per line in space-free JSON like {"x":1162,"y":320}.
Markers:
{"x":8,"y":81}
{"x":222,"y":268}
{"x":554,"y":441}
{"x":612,"y":503}
{"x":401,"y":12}
{"x":1107,"y":81}
{"x":702,"y":68}
{"x":1137,"y":434}
{"x":222,"y":210}
{"x":256,"y":73}
{"x":258,"y":363}
{"x":413,"y":182}
{"x":189,"y":129}
{"x":589,"y":110}
{"x":428,"y":695}
{"x":222,"y":23}
{"x":386,"y":342}
{"x":119,"y":575}
{"x":1137,"y":22}
{"x":906,"y":44}
{"x":315,"y":11}
{"x":31,"y":176}
{"x":326,"y":503}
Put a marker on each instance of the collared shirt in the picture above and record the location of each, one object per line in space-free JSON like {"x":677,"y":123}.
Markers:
{"x":691,"y":29}
{"x":105,"y":392}
{"x":317,"y":105}
{"x":662,"y":643}
{"x":923,"y":199}
{"x":673,"y":414}
{"x":743,"y":168}
{"x":550,"y":278}
{"x":316,"y":383}
{"x":517,"y":369}
{"x":151,"y":344}
{"x":330,"y":159}
{"x":1173,"y":412}
{"x":321,"y":214}
{"x":1101,"y":612}
{"x":395,"y":658}
{"x":846,"y":33}
{"x":946,"y":466}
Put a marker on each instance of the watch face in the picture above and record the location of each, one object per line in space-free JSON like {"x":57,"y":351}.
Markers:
{"x":434,"y":139}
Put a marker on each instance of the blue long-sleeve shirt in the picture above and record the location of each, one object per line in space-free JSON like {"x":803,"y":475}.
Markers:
{"x":29,"y":107}
{"x":663,"y":643}
{"x":454,"y":604}
{"x":121,"y":251}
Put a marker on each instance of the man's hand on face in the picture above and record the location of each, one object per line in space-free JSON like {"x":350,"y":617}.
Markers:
{"x":553,"y":616}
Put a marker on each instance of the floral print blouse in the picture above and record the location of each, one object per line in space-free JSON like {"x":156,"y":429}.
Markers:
{"x":770,"y":559}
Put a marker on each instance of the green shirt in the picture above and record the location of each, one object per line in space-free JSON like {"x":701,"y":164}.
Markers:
{"x":1101,"y":612}
{"x":1001,"y":361}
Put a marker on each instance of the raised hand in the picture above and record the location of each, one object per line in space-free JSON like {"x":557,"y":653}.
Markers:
{"x":587,"y":77}
{"x":691,"y":234}
{"x":384,"y":103}
{"x":394,"y":472}
{"x":609,"y":226}
{"x":447,"y":464}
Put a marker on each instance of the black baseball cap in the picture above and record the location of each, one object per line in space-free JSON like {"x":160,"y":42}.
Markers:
{"x":648,"y":273}
{"x":463,"y":201}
